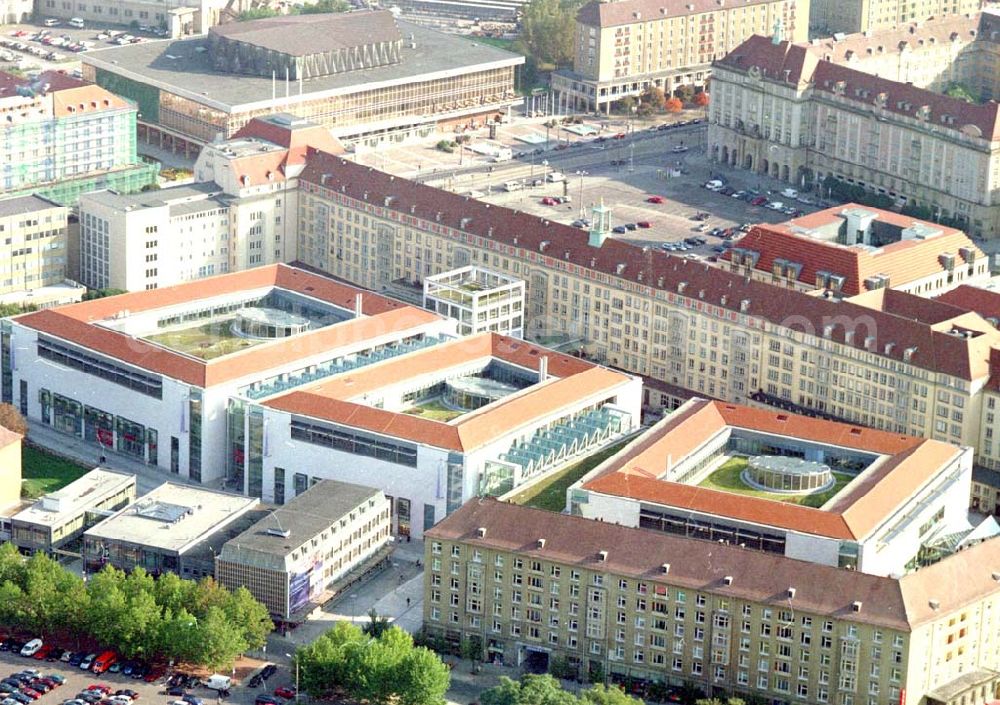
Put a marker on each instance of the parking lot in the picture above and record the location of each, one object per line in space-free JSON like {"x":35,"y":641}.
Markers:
{"x":37,"y":47}
{"x":78,"y":681}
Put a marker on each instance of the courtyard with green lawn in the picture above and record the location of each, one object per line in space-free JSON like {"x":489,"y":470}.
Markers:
{"x":207,"y":341}
{"x":727,"y":478}
{"x":435,"y":410}
{"x":43,"y":472}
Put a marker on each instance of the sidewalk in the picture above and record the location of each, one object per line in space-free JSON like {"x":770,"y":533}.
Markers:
{"x":89,"y":454}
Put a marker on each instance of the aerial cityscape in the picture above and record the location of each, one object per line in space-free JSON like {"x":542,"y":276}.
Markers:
{"x":500,"y":352}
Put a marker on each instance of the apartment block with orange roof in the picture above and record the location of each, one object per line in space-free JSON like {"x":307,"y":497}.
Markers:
{"x":525,"y":587}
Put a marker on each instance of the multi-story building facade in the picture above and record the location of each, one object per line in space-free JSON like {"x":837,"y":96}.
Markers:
{"x":192,"y":91}
{"x":479,"y":299}
{"x":527,"y":586}
{"x":239,"y":213}
{"x":290,"y":559}
{"x":47,"y":139}
{"x":33,"y":252}
{"x":848,"y":16}
{"x":778,"y":108}
{"x":14,"y":11}
{"x":886,"y":359}
{"x":622,"y":48}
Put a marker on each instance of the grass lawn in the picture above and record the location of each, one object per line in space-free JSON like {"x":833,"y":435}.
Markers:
{"x":434,"y":410}
{"x":44,"y":473}
{"x":727,"y":479}
{"x":497,"y":42}
{"x":205,"y":341}
{"x":551,"y":493}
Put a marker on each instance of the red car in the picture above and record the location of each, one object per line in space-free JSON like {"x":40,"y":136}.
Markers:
{"x":286,"y":692}
{"x":759,"y":201}
{"x":644,"y":224}
{"x":549,"y":201}
{"x":619,"y":136}
{"x":43,"y":652}
{"x":99,"y":687}
{"x":155,"y":674}
{"x":655,"y":199}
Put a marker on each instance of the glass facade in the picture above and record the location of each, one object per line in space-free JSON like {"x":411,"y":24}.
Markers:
{"x":255,"y":452}
{"x":351,"y":441}
{"x":236,"y":441}
{"x":456,"y":481}
{"x":194,"y":437}
{"x":279,"y":485}
{"x":99,"y":427}
{"x":77,"y":359}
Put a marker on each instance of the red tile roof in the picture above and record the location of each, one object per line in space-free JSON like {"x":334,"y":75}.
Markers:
{"x":647,"y":269}
{"x":639,"y":470}
{"x":693,"y":564}
{"x":903,"y":262}
{"x":959,"y":581}
{"x":76,"y":324}
{"x":985,"y":302}
{"x":298,"y":136}
{"x":85,"y":99}
{"x":342,"y":399}
{"x":790,"y":63}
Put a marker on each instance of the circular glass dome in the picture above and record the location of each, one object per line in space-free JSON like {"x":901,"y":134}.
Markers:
{"x":779,"y":473}
{"x":474,"y":392}
{"x":268,"y":323}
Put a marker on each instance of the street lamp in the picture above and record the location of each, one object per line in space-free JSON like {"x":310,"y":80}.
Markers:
{"x":582,"y":174}
{"x":545,"y":169}
{"x":296,"y":676}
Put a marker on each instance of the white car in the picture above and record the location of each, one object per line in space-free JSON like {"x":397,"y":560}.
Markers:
{"x":87,"y":662}
{"x":679,"y":148}
{"x":32,"y":647}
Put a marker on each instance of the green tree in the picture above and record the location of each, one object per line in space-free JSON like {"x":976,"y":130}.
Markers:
{"x":11,"y":419}
{"x":685,"y":92}
{"x":101,"y":293}
{"x":548,"y":29}
{"x":11,"y":564}
{"x":11,"y":601}
{"x":248,"y":615}
{"x":323,"y":6}
{"x":220,"y":642}
{"x":421,"y":678}
{"x":962,"y":92}
{"x":257,"y":13}
{"x":652,"y":100}
{"x":601,"y":694}
{"x":15,"y":309}
{"x":530,"y":690}
{"x":377,"y":624}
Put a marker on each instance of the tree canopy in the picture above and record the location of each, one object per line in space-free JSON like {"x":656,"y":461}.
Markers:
{"x":546,"y":690}
{"x":548,"y":31}
{"x":379,"y":669}
{"x":143,"y":617}
{"x":11,"y":419}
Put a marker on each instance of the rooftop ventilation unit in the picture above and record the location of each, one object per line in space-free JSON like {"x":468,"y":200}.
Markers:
{"x":275,"y":531}
{"x":602,"y":556}
{"x":481,"y":532}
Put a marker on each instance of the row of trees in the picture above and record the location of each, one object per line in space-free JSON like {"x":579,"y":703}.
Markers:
{"x":316,"y":8}
{"x":139,"y":616}
{"x":382,"y":666}
{"x":547,"y":690}
{"x":654,"y":100}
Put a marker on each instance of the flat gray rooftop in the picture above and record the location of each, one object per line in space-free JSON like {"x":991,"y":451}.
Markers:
{"x":18,"y":205}
{"x":185,"y":68}
{"x":303,"y":517}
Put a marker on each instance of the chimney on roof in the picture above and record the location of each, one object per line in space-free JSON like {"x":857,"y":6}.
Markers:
{"x":665,"y":568}
{"x":413,"y":208}
{"x":856,"y":606}
{"x":464,"y":222}
{"x":438,"y":216}
{"x":934,"y":604}
{"x":791,"y":593}
{"x":602,"y":556}
{"x":481,"y":532}
{"x":543,"y":368}
{"x":728,"y":580}
{"x":541,"y":543}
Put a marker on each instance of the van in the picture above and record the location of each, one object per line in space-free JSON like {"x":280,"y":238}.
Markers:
{"x":714,"y":185}
{"x":104,"y":662}
{"x":790,"y":193}
{"x":218,"y":682}
{"x":76,"y":22}
{"x":512,"y":186}
{"x":51,"y":22}
{"x":555,"y":177}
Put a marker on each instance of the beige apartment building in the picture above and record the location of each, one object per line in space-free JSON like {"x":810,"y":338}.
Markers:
{"x":885,"y":358}
{"x":33,"y":254}
{"x":847,"y":16}
{"x":526,"y":586}
{"x":622,"y":48}
{"x":789,"y":111}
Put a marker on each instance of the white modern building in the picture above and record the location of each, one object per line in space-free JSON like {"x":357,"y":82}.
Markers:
{"x":479,"y":299}
{"x":274,"y":378}
{"x":239,"y":213}
{"x":807,"y":488}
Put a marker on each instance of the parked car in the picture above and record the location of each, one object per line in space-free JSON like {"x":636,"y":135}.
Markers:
{"x":655,"y":199}
{"x":644,"y":224}
{"x":32,"y":647}
{"x":677,"y":148}
{"x":43,"y":652}
{"x":177,"y":690}
{"x":87,"y":662}
{"x":759,"y":201}
{"x":620,"y":229}
{"x":285,"y":692}
{"x":268,"y":671}
{"x":549,"y":201}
